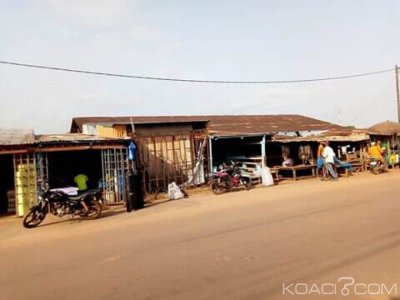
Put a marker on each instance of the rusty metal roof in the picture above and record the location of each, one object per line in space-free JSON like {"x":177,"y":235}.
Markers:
{"x":345,"y":135}
{"x":222,"y":124}
{"x":265,"y":124}
{"x":78,"y":122}
{"x":55,"y":142}
{"x":16,"y":136}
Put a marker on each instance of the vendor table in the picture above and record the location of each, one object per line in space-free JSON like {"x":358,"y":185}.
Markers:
{"x":296,"y":168}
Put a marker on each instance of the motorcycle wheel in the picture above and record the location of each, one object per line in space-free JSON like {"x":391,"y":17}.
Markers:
{"x":95,"y":209}
{"x":217,"y":188}
{"x":376,"y":170}
{"x":247,"y":183}
{"x":34,"y":217}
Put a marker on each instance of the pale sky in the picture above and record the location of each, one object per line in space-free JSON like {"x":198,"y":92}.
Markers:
{"x":206,"y":40}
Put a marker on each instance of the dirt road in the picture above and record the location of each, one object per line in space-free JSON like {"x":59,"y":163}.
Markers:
{"x":241,"y":245}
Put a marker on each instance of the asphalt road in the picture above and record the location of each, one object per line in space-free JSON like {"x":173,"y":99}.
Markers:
{"x":309,"y":237}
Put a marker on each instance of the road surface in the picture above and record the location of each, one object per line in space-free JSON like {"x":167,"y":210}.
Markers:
{"x":307,"y":237}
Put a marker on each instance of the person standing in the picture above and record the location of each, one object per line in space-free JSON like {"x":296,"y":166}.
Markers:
{"x":320,"y":159}
{"x":329,"y":156}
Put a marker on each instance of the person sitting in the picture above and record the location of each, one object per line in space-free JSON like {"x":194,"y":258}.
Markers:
{"x":393,"y":160}
{"x":287,"y":161}
{"x":81,"y":182}
{"x":375,"y":152}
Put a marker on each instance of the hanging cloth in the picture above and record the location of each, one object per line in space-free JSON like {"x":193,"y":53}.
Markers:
{"x":131,"y":151}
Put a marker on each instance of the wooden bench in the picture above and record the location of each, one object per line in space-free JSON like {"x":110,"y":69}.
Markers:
{"x":358,"y":166}
{"x":347,"y":170}
{"x":356,"y":161}
{"x":296,"y":168}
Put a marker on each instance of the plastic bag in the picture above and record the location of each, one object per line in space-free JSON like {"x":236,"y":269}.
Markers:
{"x":174,"y":192}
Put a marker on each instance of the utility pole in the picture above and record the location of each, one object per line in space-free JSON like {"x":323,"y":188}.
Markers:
{"x":397,"y":93}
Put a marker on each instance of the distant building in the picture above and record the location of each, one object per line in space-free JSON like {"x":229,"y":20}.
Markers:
{"x":186,"y":148}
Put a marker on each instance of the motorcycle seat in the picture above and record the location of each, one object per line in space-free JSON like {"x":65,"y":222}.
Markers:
{"x":83,"y":194}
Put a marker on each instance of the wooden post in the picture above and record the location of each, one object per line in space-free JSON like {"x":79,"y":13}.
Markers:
{"x":210,"y":155}
{"x":263,"y":155}
{"x":362,"y":158}
{"x":397,"y":93}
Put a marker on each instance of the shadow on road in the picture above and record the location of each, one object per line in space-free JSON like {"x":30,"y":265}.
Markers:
{"x":114,"y":211}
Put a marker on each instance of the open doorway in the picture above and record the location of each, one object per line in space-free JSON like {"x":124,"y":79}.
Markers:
{"x":7,"y":194}
{"x":235,"y":148}
{"x":105,"y":169}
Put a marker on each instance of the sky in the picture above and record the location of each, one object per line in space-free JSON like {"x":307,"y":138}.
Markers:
{"x":207,"y":40}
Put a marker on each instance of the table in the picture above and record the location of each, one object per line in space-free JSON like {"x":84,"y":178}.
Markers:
{"x":296,"y":168}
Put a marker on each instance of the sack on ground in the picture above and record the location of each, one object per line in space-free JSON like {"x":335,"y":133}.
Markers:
{"x":266,"y":177}
{"x":174,"y":192}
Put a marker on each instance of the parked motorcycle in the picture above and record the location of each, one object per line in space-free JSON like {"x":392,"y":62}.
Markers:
{"x":228,"y":178}
{"x":376,"y":166}
{"x":87,"y":205}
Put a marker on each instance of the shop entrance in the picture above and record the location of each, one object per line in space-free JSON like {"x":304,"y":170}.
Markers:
{"x":63,"y":166}
{"x":22,"y":175}
{"x":105,"y":169}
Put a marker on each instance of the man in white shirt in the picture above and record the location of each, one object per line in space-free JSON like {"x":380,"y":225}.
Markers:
{"x":329,"y":156}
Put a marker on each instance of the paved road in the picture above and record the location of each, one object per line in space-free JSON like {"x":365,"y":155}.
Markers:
{"x":303,"y":236}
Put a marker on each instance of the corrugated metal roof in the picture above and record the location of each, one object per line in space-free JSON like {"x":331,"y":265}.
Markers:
{"x":223,"y":124}
{"x":71,"y":138}
{"x":333,"y":136}
{"x":266,"y":124}
{"x":16,"y":136}
{"x":19,"y":137}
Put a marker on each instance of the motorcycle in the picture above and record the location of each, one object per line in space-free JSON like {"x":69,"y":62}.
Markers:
{"x":376,"y":166}
{"x":228,"y":178}
{"x":87,"y":205}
